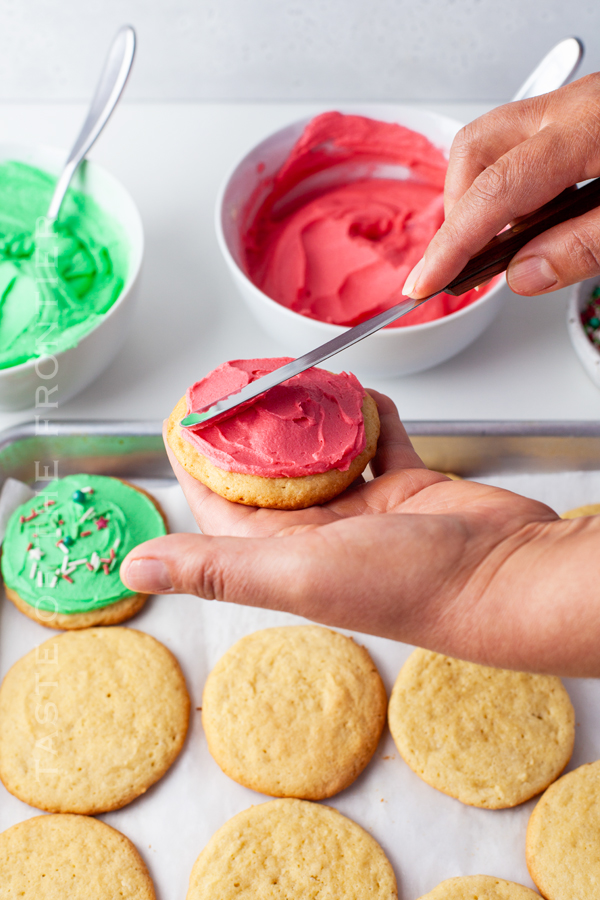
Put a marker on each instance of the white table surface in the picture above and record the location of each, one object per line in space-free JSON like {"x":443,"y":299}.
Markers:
{"x":172,"y":158}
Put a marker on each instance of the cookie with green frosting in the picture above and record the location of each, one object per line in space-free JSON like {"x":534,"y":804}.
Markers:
{"x":63,"y":550}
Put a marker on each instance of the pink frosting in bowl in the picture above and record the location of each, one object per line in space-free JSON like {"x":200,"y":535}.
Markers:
{"x":311,"y":423}
{"x":334,"y":239}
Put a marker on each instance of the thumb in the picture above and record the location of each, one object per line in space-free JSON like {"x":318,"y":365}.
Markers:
{"x":564,"y":255}
{"x":234,"y":570}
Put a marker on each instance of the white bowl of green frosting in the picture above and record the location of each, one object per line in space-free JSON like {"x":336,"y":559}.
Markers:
{"x":67,"y":292}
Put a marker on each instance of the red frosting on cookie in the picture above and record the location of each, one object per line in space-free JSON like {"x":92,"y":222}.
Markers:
{"x":334,"y":243}
{"x":309,"y":424}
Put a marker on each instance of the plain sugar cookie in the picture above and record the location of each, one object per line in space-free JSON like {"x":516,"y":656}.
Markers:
{"x":488,"y":737}
{"x":294,"y":712}
{"x":70,"y":858}
{"x":563,"y":837}
{"x":287,"y":849}
{"x":479,"y":887}
{"x":592,"y":509}
{"x":90,"y":720}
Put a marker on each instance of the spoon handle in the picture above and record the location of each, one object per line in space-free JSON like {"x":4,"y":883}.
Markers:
{"x":556,"y":68}
{"x":108,"y":90}
{"x":495,"y":256}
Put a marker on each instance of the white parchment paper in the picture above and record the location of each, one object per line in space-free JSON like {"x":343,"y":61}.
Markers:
{"x":427,"y":836}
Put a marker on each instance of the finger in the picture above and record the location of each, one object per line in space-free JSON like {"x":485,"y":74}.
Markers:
{"x":483,"y":141}
{"x":394,"y":449}
{"x":325,"y":575}
{"x":265,"y":572}
{"x":518,"y":183}
{"x":561,"y":256}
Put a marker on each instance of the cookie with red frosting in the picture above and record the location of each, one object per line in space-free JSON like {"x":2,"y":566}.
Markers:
{"x":299,"y":445}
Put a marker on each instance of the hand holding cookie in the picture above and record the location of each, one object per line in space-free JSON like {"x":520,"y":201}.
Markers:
{"x":458,"y":567}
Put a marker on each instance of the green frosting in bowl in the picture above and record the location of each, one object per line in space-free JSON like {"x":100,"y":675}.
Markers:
{"x":63,"y":549}
{"x":56,"y":281}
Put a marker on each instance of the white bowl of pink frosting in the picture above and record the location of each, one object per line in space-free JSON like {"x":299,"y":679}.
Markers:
{"x":61,"y":369}
{"x":322,"y":221}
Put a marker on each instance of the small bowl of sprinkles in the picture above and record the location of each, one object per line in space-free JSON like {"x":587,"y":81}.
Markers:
{"x":583,"y":323}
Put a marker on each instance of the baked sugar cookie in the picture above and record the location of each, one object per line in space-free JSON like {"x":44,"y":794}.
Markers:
{"x":294,"y":712}
{"x":563,"y":837}
{"x":62,"y":551}
{"x":301,"y":444}
{"x":90,"y":720}
{"x":488,"y":737}
{"x":287,"y":849}
{"x":592,"y":509}
{"x":480,"y":887}
{"x":74,"y":857}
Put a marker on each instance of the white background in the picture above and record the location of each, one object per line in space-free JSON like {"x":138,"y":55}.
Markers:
{"x":290,"y":49}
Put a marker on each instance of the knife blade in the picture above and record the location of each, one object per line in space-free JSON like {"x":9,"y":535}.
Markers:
{"x":490,"y":261}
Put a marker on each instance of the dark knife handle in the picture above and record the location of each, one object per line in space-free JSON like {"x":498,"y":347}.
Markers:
{"x":495,"y":256}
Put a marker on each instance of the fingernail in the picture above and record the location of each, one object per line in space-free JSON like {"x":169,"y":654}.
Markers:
{"x":411,"y":282}
{"x":149,"y":576}
{"x":531,"y":275}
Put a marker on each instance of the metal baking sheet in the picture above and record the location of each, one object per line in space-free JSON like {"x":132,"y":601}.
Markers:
{"x":427,"y":836}
{"x":467,"y":448}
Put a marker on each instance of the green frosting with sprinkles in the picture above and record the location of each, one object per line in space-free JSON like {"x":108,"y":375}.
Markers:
{"x":63,"y":548}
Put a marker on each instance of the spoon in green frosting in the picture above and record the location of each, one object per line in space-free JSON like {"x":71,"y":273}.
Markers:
{"x":108,"y":91}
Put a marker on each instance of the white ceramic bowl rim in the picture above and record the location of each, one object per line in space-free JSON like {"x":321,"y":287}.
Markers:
{"x":24,"y":149}
{"x":328,"y":328}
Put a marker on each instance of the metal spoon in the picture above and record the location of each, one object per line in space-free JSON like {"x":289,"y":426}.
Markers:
{"x":556,"y":68}
{"x":108,"y":91}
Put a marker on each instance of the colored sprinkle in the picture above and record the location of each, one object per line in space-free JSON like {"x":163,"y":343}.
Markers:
{"x":112,"y":553}
{"x":33,"y":570}
{"x":85,"y":534}
{"x":68,"y":541}
{"x":35,"y":535}
{"x":61,"y":521}
{"x":90,"y":566}
{"x":88,"y":490}
{"x":21,"y":519}
{"x":89,"y":512}
{"x":590,"y":318}
{"x":50,"y":502}
{"x":78,"y":496}
{"x":102,"y":522}
{"x":105,"y":567}
{"x":29,"y":546}
{"x":66,"y":577}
